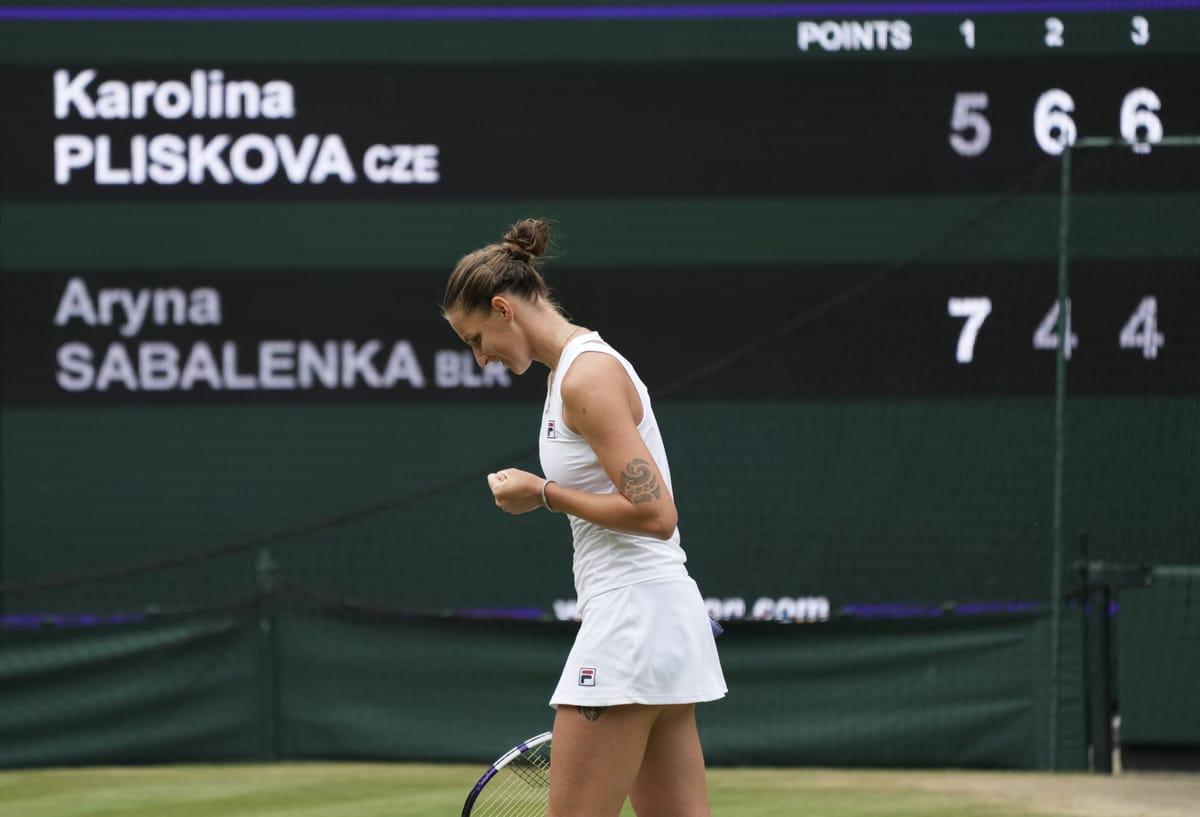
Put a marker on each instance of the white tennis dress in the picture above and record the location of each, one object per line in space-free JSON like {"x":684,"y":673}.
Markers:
{"x":645,"y":636}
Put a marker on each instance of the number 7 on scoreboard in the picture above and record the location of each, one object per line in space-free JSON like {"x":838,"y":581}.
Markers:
{"x":975,"y":310}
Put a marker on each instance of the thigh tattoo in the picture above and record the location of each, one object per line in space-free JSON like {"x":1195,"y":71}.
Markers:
{"x":591,"y":712}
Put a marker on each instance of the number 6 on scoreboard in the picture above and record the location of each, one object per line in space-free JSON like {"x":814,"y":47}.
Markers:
{"x":975,"y":310}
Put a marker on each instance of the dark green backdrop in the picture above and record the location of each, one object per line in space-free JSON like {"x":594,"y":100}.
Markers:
{"x":779,"y":269}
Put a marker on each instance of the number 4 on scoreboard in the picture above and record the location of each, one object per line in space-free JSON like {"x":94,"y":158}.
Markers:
{"x":1046,"y":335}
{"x":1141,"y":330}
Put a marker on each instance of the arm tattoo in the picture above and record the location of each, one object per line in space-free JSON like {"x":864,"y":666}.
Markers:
{"x":591,"y":712}
{"x":638,"y":482}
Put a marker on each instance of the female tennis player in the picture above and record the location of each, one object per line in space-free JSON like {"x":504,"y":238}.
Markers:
{"x":645,"y":653}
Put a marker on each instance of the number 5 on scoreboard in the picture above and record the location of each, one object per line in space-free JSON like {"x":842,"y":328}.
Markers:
{"x":971,"y":133}
{"x":975,"y":310}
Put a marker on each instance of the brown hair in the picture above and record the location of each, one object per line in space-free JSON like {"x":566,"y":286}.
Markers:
{"x":509,"y":266}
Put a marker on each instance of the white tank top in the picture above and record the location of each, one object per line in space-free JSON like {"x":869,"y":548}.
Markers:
{"x":604,"y":559}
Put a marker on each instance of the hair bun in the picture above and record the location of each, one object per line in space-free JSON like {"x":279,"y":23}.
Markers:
{"x":528,"y":237}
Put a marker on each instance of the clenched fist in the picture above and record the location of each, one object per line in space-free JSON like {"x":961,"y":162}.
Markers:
{"x":516,"y":491}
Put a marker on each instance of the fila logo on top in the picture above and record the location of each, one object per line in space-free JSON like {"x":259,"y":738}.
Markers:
{"x":549,"y":429}
{"x":587,"y":677}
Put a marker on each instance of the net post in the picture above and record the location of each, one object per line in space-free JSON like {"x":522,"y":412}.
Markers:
{"x":1101,"y":585}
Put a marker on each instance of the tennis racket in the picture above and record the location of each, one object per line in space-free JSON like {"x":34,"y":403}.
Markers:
{"x":516,"y":785}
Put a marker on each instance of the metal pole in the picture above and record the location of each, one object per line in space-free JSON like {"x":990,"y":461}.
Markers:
{"x":265,"y":576}
{"x":1099,"y":681}
{"x":1060,"y":394}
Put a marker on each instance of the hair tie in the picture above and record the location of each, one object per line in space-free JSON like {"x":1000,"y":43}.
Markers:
{"x":514,"y":247}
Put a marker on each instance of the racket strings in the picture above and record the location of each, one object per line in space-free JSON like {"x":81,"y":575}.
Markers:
{"x":533,"y":767}
{"x":519,"y":789}
{"x":510,"y":798}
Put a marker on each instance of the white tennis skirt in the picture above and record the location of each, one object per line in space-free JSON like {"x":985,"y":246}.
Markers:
{"x":647,"y":643}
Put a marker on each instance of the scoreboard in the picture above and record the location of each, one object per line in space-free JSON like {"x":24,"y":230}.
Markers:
{"x":238,"y":201}
{"x":829,"y":234}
